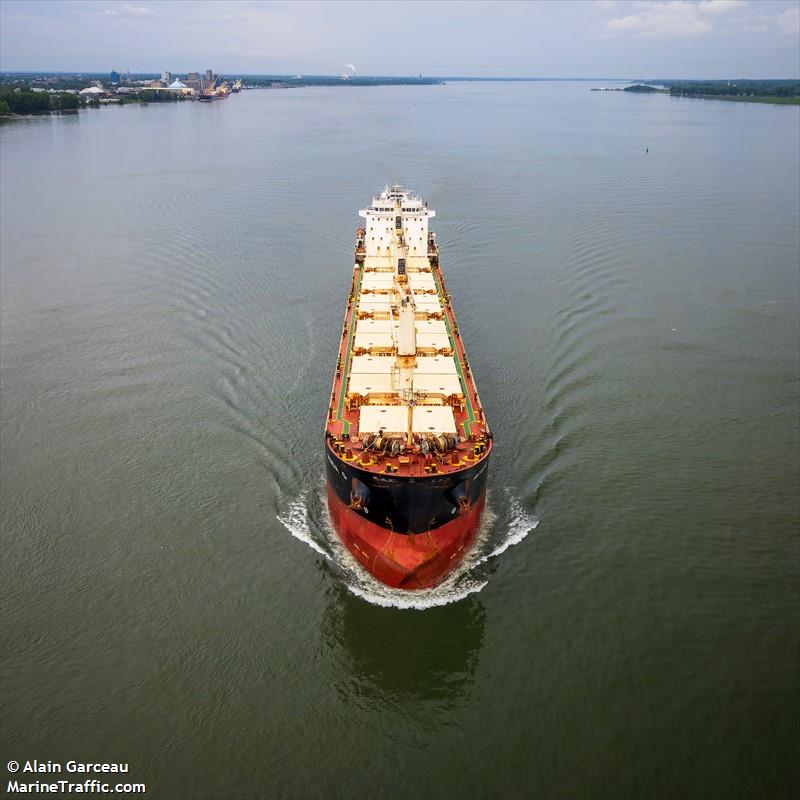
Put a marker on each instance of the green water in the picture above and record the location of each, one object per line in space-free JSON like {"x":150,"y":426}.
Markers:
{"x":173,"y":283}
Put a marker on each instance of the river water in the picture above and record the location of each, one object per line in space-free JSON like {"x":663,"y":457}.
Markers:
{"x":625,"y":274}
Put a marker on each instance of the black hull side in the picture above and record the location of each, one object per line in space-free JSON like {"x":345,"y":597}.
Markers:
{"x":406,"y":505}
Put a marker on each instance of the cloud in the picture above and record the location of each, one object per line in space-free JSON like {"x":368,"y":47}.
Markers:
{"x":605,"y":5}
{"x":661,"y":20}
{"x":138,"y":11}
{"x":789,"y":21}
{"x":719,"y":6}
{"x":129,"y":10}
{"x":670,"y":19}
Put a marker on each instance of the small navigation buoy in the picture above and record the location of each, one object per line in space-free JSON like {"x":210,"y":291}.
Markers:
{"x":647,"y":149}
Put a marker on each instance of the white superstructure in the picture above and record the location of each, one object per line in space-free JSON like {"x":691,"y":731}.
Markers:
{"x":403,"y":376}
{"x":381,"y":218}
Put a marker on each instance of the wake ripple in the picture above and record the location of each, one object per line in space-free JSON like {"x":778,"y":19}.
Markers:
{"x":520,"y":525}
{"x":306,"y":519}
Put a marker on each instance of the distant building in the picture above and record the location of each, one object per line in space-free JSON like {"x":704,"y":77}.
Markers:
{"x":114,"y":76}
{"x":166,"y":78}
{"x":193,"y":81}
{"x":92,"y":93}
{"x":210,"y":76}
{"x":181,"y":88}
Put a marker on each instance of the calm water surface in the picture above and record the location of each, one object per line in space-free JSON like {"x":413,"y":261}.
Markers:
{"x":173,"y":280}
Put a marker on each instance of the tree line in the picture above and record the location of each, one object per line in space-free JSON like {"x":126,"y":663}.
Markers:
{"x":158,"y":96}
{"x":26,"y":101}
{"x":740,"y":88}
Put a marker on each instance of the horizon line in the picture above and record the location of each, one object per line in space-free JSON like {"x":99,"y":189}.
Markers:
{"x":416,"y":76}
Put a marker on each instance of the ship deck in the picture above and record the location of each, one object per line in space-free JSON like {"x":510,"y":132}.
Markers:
{"x":367,"y":388}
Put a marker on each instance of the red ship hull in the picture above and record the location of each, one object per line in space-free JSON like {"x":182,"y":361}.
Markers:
{"x":404,"y":561}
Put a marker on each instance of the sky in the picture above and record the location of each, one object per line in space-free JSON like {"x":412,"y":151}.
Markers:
{"x":542,"y":38}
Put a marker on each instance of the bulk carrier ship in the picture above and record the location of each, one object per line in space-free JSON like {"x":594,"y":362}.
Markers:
{"x":406,"y":442}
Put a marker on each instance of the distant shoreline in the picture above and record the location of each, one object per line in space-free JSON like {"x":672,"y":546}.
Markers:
{"x":63,"y":88}
{"x":785,"y":93}
{"x":744,"y":98}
